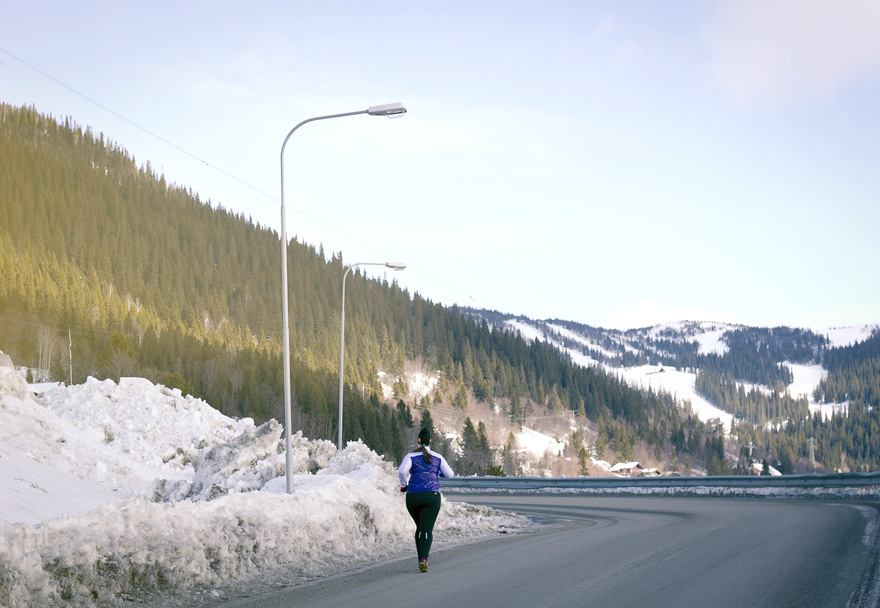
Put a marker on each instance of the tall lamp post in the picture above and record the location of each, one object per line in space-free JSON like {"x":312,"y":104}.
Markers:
{"x":391,"y":110}
{"x":395,"y":266}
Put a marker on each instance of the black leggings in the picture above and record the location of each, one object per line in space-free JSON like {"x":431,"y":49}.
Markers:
{"x":423,"y":507}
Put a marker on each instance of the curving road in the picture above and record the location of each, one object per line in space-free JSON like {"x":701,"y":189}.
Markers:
{"x":630,"y":552}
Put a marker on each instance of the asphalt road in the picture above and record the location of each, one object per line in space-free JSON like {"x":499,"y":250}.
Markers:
{"x":630,"y":552}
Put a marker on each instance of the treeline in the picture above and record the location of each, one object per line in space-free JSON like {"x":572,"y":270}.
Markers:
{"x":842,"y":441}
{"x":853,"y":374}
{"x":147,"y":279}
{"x":754,"y":354}
{"x":756,"y":405}
{"x":747,"y":366}
{"x":847,"y":439}
{"x":757,"y":354}
{"x":695,"y":444}
{"x":778,"y":343}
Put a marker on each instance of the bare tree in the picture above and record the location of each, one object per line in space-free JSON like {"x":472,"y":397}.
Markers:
{"x":210,"y":374}
{"x":119,"y":364}
{"x":47,"y":345}
{"x":236,"y":381}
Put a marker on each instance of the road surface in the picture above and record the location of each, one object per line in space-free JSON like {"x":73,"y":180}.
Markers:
{"x":629,"y":552}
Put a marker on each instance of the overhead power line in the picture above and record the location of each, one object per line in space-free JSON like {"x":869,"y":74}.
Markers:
{"x":57,"y":326}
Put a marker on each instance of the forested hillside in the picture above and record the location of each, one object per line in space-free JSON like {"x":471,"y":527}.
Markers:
{"x":147,"y":279}
{"x":747,"y":372}
{"x":850,"y":438}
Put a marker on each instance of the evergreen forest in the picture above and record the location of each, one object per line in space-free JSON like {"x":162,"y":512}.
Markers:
{"x":108,"y":271}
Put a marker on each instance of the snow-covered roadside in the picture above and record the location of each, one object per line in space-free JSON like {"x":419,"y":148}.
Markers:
{"x":135,"y":547}
{"x":112,"y":492}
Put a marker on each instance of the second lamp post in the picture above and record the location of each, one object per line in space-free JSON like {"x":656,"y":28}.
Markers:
{"x":395,"y":266}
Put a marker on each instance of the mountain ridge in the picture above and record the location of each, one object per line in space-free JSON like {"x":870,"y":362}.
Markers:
{"x":756,"y":383}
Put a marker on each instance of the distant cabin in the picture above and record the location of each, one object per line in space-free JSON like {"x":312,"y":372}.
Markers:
{"x":627,"y":469}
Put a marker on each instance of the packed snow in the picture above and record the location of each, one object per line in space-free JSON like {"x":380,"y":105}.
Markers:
{"x":847,"y":336}
{"x":115,"y":493}
{"x":805,"y":380}
{"x":528,"y":331}
{"x":712,"y":342}
{"x":681,"y":385}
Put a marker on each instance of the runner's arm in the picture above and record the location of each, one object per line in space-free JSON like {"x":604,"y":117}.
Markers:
{"x":403,"y":470}
{"x":445,"y":470}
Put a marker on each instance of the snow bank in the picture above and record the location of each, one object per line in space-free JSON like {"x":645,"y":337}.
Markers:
{"x":131,"y":547}
{"x":151,"y":424}
{"x":113,"y":492}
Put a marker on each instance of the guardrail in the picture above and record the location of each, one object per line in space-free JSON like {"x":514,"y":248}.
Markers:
{"x":838,"y":480}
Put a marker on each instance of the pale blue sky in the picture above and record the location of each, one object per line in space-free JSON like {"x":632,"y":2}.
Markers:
{"x":616,"y":164}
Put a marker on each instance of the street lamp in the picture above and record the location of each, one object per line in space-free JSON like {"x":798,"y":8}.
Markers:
{"x":396,"y":266}
{"x":391,"y":110}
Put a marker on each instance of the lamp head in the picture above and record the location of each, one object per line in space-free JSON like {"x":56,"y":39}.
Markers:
{"x":391,"y":110}
{"x":396,"y":265}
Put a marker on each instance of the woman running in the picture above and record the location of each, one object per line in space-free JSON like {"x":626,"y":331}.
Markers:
{"x":419,"y":477}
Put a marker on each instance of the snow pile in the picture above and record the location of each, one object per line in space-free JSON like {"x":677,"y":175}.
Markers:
{"x":121,"y":492}
{"x":243,"y":464}
{"x":47,"y":466}
{"x":151,"y":424}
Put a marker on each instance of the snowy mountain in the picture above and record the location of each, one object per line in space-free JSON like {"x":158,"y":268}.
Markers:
{"x":119,"y":491}
{"x":668,"y":357}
